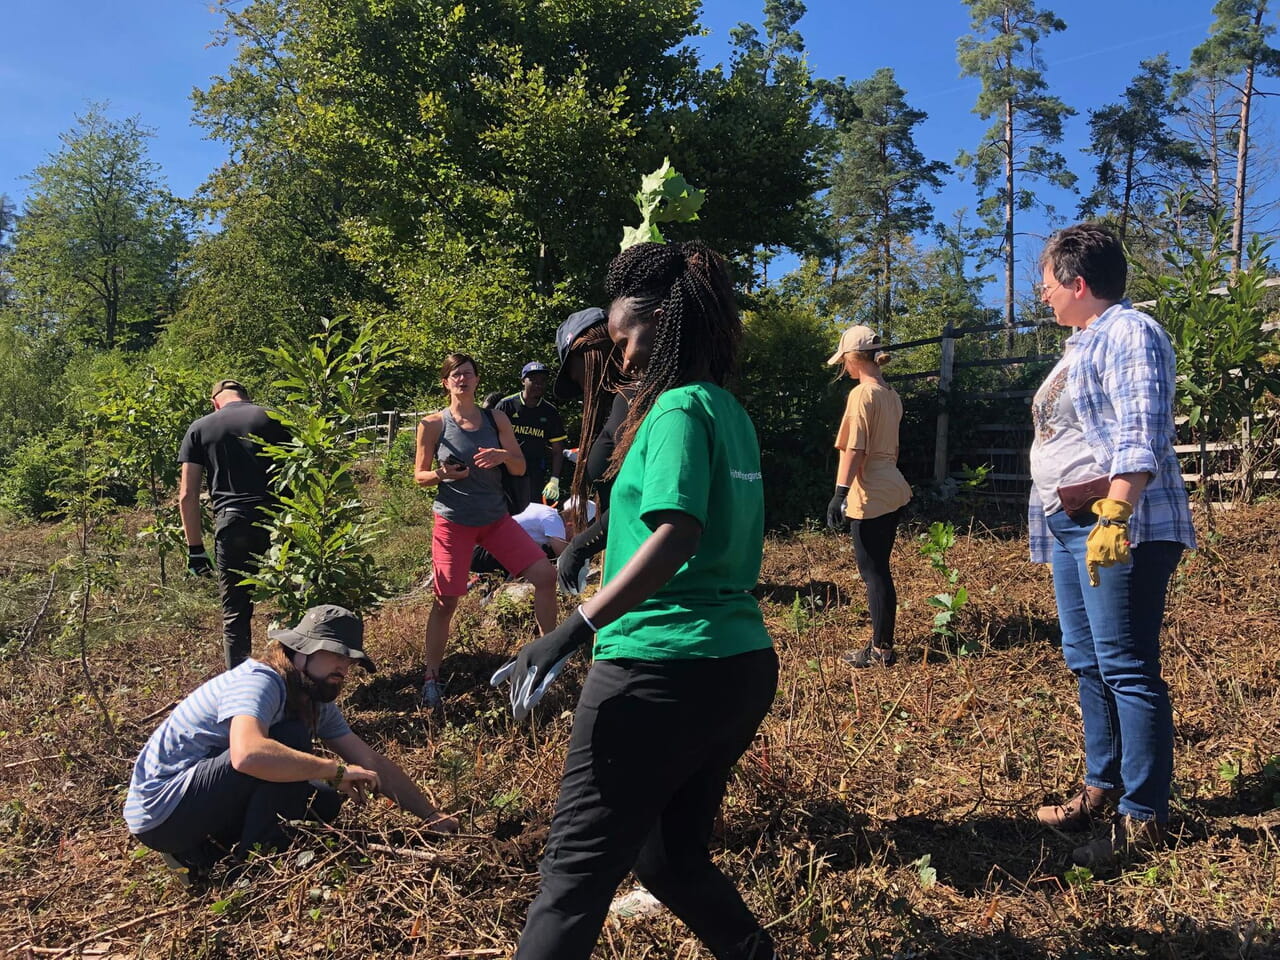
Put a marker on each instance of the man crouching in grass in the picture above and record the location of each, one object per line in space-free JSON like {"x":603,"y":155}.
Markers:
{"x":233,"y":764}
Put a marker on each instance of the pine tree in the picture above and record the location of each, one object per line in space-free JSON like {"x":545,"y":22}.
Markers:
{"x":1002,"y":52}
{"x":878,"y":179}
{"x":1140,"y":158}
{"x":1238,"y":53}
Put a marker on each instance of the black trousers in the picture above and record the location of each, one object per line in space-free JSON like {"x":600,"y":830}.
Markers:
{"x":224,"y":809}
{"x":240,"y":540}
{"x":872,"y":545}
{"x":652,"y":746}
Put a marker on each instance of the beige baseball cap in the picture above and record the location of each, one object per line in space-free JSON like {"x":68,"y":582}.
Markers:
{"x":857,"y":338}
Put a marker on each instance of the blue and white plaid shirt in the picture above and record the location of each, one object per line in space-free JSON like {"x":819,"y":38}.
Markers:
{"x":1121,"y":384}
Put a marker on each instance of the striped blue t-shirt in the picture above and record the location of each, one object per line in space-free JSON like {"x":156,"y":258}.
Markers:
{"x":199,"y":728}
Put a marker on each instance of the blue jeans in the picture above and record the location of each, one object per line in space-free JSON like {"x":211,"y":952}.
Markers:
{"x":1111,"y":642}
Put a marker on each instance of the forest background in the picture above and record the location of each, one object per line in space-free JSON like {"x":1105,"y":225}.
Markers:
{"x":457,"y":177}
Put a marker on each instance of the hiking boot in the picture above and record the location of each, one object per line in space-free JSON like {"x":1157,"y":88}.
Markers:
{"x":1125,"y":839}
{"x":1079,"y":813}
{"x":432,"y":695}
{"x":870,"y":655}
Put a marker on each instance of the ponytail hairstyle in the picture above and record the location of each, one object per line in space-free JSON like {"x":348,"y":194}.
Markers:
{"x":699,"y":330}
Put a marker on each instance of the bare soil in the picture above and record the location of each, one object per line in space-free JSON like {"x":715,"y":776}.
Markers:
{"x":880,"y":813}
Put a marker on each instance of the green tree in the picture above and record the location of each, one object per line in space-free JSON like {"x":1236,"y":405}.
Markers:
{"x":1139,"y":156}
{"x":368,"y":141}
{"x":98,"y":246}
{"x":1238,"y":53}
{"x":1003,"y":53}
{"x":749,"y":138}
{"x":878,"y":182}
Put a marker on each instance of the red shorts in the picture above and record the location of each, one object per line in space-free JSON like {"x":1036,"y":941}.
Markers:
{"x":452,"y":544}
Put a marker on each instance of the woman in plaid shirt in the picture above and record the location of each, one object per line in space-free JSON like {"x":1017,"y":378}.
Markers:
{"x":1105,"y":414}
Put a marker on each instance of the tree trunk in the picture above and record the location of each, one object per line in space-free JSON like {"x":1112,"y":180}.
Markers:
{"x":1008,"y":223}
{"x":1128,"y":195}
{"x":887,"y":302}
{"x":112,"y":307}
{"x":1242,"y":163}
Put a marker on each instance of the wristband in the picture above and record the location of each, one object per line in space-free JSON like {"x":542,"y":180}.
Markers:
{"x":585,"y":619}
{"x":336,"y":780}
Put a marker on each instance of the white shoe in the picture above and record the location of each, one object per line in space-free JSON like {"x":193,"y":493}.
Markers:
{"x":636,"y":903}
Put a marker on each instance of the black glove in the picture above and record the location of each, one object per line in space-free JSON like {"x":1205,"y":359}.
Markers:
{"x":581,"y":549}
{"x":198,"y":562}
{"x":540,"y":661}
{"x":836,"y":517}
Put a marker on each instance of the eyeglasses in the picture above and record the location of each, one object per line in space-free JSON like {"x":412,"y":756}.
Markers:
{"x":1044,"y":291}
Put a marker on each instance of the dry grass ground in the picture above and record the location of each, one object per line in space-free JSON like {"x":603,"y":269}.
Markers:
{"x":885,"y":813}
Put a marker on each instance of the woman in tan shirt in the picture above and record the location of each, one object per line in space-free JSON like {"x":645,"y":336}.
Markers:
{"x":870,"y":490}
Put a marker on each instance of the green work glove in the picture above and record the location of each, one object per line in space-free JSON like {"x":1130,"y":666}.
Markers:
{"x":1108,"y":541}
{"x":551,"y":492}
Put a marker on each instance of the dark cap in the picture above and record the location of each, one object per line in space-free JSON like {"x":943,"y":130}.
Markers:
{"x":578,"y":323}
{"x":327,"y":627}
{"x":235,"y":385}
{"x":533,"y":366}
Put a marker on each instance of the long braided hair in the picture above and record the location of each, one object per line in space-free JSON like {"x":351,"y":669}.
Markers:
{"x":601,"y":379}
{"x":699,"y":330}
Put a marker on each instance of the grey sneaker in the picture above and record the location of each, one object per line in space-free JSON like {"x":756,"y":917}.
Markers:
{"x":432,"y":696}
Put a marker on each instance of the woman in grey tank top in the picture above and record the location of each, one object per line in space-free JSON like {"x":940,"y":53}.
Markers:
{"x":469,"y":448}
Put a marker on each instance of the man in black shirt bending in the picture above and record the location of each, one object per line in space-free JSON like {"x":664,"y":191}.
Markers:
{"x":218,"y":446}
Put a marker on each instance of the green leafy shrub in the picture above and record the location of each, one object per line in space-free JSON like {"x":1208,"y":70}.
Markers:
{"x":321,"y":534}
{"x":34,"y":468}
{"x":784,"y":385}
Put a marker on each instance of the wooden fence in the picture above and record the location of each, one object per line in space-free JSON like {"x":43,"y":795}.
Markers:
{"x":1001,"y":442}
{"x":1006,"y":451}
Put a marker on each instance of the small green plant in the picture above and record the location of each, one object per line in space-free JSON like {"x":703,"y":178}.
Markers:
{"x":96,"y":542}
{"x":798,"y":617}
{"x":934,"y":545}
{"x":1079,"y":877}
{"x":928,"y":875}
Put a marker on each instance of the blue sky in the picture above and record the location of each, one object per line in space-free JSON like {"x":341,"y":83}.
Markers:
{"x":145,"y":56}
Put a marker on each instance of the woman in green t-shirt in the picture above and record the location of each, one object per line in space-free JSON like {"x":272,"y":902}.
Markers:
{"x":684,"y":671}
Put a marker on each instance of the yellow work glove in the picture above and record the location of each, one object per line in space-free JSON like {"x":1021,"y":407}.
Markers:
{"x":551,"y":492}
{"x":1108,"y":541}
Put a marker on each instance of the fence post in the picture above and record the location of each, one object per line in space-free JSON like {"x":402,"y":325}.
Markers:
{"x":944,"y":404}
{"x":393,"y":427}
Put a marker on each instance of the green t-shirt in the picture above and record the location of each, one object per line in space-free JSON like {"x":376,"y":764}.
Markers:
{"x":695,"y":452}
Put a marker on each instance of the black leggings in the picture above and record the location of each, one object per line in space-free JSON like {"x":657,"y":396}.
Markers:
{"x":652,"y":747}
{"x":872,"y":544}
